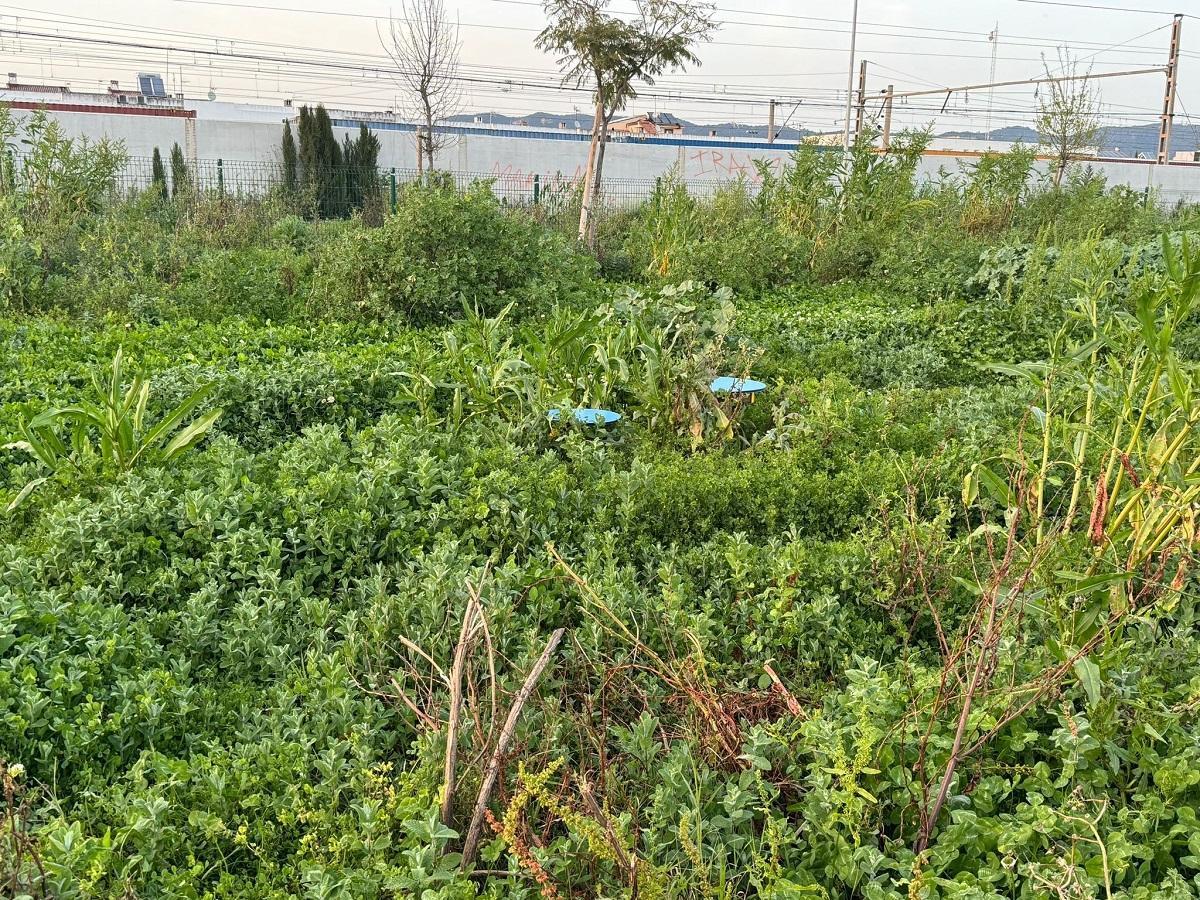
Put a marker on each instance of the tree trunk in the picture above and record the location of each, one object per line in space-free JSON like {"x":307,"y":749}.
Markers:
{"x":599,"y":131}
{"x":593,"y":216}
{"x":429,"y":140}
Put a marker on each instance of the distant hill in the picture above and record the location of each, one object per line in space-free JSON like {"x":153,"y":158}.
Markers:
{"x":1126,"y":141}
{"x":1016,"y":134}
{"x":583,"y":122}
{"x":1129,"y":141}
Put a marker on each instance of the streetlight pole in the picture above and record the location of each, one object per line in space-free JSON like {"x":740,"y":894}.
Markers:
{"x":850,"y":76}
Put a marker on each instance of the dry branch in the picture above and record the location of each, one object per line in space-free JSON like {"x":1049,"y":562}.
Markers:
{"x":506,"y":735}
{"x":456,"y":678}
{"x":793,"y":704}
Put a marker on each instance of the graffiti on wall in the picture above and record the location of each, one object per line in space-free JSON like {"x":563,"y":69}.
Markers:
{"x":708,"y":163}
{"x":515,"y":176}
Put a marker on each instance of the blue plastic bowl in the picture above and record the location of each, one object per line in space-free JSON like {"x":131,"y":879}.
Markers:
{"x":589,"y":416}
{"x":727,"y":384}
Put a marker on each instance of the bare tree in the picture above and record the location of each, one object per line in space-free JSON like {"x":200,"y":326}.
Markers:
{"x":1068,"y":120}
{"x":608,"y":54}
{"x":424,"y":45}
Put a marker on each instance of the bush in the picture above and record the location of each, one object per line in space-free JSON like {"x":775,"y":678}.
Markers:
{"x":440,"y":250}
{"x":724,"y":239}
{"x":22,"y":276}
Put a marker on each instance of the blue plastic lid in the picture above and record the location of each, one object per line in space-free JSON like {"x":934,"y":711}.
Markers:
{"x":589,"y":416}
{"x":727,"y":384}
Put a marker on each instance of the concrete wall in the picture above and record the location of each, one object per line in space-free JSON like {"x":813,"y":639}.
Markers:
{"x":246,"y":137}
{"x":140,"y":134}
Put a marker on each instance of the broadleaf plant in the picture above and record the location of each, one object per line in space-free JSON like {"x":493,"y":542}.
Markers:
{"x":112,"y":428}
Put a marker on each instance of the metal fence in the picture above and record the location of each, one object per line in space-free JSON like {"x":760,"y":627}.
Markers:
{"x":549,"y":194}
{"x":349,"y":186}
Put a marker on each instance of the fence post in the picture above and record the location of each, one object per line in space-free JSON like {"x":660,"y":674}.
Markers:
{"x":392,"y":178}
{"x":221,"y":176}
{"x":537,"y":188}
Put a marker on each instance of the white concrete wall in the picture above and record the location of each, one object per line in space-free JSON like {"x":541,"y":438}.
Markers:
{"x":139,"y":134}
{"x":525,"y":156}
{"x":247,"y":137}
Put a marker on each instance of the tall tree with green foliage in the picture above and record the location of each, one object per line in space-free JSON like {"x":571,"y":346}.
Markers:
{"x":1068,"y":118}
{"x":321,"y":162}
{"x":290,"y":160}
{"x":181,"y":177}
{"x":608,"y":54}
{"x":361,"y":157}
{"x":158,"y":175}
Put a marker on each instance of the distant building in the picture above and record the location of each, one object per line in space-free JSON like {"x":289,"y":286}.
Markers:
{"x":829,"y":139}
{"x":15,"y":84}
{"x":150,"y":92}
{"x":647,"y":123}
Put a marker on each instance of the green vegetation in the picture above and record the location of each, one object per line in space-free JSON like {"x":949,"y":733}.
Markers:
{"x":920,"y":622}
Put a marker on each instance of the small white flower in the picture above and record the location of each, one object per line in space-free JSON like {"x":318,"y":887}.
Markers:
{"x":16,"y":770}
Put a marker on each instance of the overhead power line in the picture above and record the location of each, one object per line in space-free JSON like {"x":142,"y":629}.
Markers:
{"x":1158,"y":70}
{"x":1015,"y":41}
{"x":1128,"y":9}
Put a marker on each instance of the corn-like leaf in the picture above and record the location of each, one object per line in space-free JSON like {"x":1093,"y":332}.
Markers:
{"x":996,"y":486}
{"x":159,"y":432}
{"x":1089,"y":676}
{"x":24,"y":493}
{"x":192,"y":433}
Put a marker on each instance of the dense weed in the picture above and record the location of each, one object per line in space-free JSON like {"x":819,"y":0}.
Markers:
{"x":918,"y":622}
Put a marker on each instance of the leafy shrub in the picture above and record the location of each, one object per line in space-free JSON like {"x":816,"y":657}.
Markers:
{"x":22,"y":275}
{"x":723,"y":239}
{"x":265,"y":283}
{"x":440,"y":250}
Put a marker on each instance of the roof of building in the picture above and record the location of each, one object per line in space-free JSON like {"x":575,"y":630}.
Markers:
{"x":665,"y":120}
{"x":14,"y":85}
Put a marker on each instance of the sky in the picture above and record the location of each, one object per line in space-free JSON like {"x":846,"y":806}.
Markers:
{"x":797,"y":52}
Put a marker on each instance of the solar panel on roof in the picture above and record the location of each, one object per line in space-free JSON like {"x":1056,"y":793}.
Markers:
{"x":151,"y":85}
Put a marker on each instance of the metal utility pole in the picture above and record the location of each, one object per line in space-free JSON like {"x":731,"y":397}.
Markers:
{"x":771,"y":122}
{"x":862,"y":99}
{"x":887,"y":116}
{"x":994,"y":37}
{"x":1168,"y":113}
{"x":850,"y":76}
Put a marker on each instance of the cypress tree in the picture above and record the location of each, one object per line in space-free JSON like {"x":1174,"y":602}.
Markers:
{"x":158,"y":175}
{"x":364,"y":168}
{"x":321,"y":168}
{"x":331,"y":178}
{"x":350,"y":181}
{"x":181,"y":178}
{"x":309,"y":163}
{"x":291,"y":163}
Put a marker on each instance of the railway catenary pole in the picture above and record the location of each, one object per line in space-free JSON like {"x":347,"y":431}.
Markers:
{"x":861,"y":112}
{"x":850,"y":77}
{"x":1168,"y":114}
{"x":887,"y":116}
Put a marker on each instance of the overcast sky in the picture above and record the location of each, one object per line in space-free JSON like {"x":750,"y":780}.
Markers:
{"x":762,"y":49}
